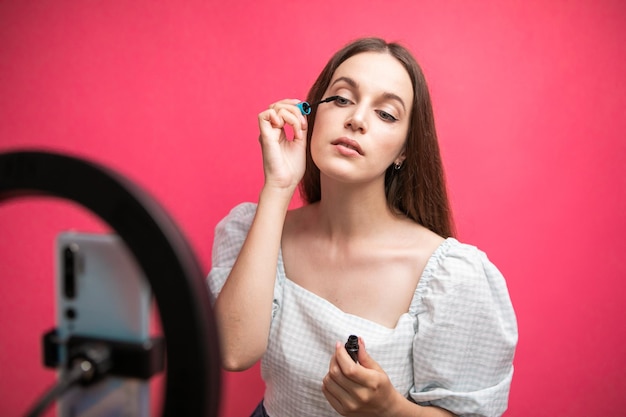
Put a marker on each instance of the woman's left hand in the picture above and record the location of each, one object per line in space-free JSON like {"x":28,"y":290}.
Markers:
{"x":359,"y":389}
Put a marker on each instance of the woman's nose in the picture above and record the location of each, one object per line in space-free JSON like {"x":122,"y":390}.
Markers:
{"x":356,"y":120}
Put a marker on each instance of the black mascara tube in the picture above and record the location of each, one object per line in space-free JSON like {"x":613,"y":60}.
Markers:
{"x":352,"y":347}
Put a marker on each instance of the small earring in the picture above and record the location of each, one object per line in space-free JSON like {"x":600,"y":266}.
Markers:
{"x":397,"y":166}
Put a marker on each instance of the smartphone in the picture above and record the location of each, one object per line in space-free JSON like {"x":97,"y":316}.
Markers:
{"x":102,"y":293}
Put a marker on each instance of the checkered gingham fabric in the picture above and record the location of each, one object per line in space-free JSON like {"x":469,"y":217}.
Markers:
{"x":454,"y":347}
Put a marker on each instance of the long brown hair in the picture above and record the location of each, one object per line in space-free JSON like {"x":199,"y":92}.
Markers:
{"x":418,"y":189}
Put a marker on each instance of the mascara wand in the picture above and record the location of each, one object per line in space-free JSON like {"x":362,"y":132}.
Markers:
{"x":305,"y":107}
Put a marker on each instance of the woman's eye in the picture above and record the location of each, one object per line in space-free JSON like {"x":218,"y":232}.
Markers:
{"x":342,"y":101}
{"x":386,"y":116}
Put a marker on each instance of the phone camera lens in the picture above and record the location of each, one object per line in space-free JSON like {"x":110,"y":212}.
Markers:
{"x":70,"y":313}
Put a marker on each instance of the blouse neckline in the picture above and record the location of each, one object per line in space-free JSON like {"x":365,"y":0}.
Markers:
{"x":429,"y":269}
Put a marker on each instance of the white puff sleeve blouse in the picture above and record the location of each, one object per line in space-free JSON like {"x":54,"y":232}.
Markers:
{"x":453,"y":349}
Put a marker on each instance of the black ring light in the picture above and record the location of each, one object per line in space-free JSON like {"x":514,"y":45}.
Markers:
{"x":193,"y":367}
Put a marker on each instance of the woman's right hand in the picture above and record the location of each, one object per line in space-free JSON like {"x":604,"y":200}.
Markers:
{"x":284,"y":159}
{"x":244,"y":306}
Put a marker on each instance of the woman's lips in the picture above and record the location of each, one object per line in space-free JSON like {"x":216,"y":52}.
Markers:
{"x":347,"y":146}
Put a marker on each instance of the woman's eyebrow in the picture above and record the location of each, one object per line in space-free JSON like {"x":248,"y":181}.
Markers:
{"x":354,"y":84}
{"x":347,"y":80}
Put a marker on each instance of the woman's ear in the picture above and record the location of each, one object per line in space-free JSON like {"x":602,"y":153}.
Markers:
{"x":400,"y":159}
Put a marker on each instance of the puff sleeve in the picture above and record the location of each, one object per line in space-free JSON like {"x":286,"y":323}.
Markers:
{"x":230,"y":234}
{"x":467,"y":333}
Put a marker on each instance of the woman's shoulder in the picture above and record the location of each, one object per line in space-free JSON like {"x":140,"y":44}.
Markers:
{"x":459,"y":267}
{"x":243,"y":209}
{"x":236,"y":223}
{"x":453,"y":255}
{"x":242,"y":212}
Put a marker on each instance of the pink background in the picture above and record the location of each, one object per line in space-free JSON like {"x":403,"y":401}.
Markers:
{"x":530,"y":103}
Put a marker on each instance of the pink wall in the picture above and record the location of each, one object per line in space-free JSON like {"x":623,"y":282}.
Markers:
{"x":530,"y":102}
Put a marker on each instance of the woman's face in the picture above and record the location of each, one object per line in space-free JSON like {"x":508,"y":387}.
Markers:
{"x":360,"y":134}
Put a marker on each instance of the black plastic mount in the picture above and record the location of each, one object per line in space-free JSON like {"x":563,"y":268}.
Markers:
{"x":193,"y":374}
{"x":129,"y":360}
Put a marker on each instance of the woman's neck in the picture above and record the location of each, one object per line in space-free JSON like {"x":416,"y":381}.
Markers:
{"x":353,"y":211}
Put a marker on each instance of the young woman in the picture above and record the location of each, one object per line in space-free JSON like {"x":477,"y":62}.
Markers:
{"x":371,"y":253}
